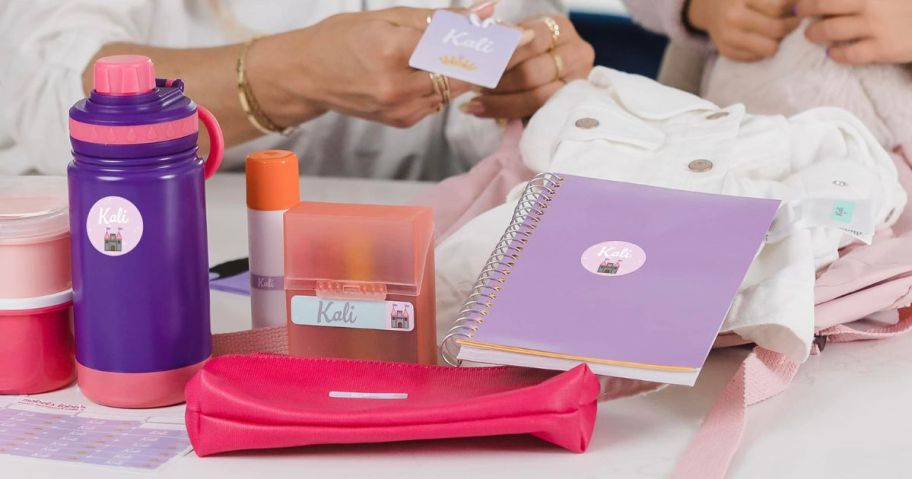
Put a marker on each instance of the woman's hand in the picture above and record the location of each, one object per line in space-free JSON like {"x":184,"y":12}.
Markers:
{"x":353,"y":63}
{"x":861,"y":31}
{"x":744,"y":30}
{"x":536,"y":70}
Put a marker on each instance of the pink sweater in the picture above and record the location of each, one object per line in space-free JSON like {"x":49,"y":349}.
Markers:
{"x":799,"y":77}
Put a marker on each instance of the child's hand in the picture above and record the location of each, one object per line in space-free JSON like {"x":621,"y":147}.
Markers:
{"x":744,"y":30}
{"x":861,"y":31}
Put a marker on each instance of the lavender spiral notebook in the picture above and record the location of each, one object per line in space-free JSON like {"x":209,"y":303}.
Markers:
{"x":633,"y":280}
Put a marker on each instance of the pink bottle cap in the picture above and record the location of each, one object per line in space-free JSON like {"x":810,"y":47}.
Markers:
{"x":124,"y":75}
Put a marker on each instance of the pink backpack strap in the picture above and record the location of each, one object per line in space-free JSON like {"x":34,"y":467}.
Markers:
{"x":843,"y":333}
{"x":762,"y":375}
{"x":259,"y":340}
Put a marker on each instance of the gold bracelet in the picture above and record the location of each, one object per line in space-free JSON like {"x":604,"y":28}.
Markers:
{"x":255,"y":114}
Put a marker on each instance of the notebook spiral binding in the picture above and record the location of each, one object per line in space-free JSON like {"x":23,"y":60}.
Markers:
{"x":534,"y":200}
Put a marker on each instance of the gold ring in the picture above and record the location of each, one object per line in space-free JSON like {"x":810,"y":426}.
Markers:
{"x":555,"y":31}
{"x":442,"y":88}
{"x":446,"y":90}
{"x":558,"y":66}
{"x":437,"y":90}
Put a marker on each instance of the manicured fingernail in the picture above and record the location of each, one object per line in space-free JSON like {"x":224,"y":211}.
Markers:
{"x":482,"y":5}
{"x":527,"y":36}
{"x":473,"y":107}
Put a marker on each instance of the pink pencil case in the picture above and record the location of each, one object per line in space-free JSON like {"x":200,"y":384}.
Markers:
{"x":262,"y":401}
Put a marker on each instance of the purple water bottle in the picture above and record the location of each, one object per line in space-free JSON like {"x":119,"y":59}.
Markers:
{"x":138,"y":222}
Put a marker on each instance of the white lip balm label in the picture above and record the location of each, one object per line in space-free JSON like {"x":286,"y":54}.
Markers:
{"x":342,"y":313}
{"x":268,"y":283}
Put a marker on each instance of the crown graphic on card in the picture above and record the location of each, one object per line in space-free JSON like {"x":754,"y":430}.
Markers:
{"x":458,"y":62}
{"x":633,"y":280}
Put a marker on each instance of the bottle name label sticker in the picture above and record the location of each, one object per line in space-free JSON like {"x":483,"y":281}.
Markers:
{"x":466,"y":48}
{"x":347,"y":313}
{"x":114,"y":226}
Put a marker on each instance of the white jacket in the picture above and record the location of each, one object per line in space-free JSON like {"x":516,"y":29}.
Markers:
{"x":628,"y":128}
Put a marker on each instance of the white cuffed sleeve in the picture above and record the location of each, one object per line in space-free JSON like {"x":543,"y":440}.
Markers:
{"x":46,"y":46}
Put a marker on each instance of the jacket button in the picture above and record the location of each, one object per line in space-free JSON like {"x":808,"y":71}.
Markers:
{"x":717,"y":115}
{"x":587,"y":123}
{"x":699,"y":166}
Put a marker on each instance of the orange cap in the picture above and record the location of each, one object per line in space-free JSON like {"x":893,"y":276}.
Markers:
{"x":272,"y":180}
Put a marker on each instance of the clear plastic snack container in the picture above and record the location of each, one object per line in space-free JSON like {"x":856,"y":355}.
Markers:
{"x":359,"y":282}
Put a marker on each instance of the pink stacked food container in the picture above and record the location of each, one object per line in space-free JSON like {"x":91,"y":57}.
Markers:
{"x":36,"y":331}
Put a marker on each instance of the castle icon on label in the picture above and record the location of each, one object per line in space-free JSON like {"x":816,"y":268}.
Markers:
{"x":113,"y":241}
{"x":399,"y":317}
{"x":609,"y":266}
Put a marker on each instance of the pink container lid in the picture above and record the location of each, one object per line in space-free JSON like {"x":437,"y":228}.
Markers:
{"x":123,"y":75}
{"x":32,"y":208}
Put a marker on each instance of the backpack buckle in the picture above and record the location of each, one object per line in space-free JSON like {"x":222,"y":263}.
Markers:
{"x":820,"y":341}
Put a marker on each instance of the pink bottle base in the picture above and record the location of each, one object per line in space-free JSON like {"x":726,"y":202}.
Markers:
{"x":135,"y":390}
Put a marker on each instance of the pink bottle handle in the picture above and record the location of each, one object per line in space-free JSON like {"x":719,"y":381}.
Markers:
{"x":216,"y":141}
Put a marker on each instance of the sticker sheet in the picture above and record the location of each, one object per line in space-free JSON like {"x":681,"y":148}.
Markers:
{"x":46,"y":430}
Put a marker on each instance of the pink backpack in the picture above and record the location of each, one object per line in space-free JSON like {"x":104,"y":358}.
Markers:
{"x":865,"y":280}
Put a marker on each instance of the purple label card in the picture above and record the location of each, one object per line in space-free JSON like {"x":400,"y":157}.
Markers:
{"x":464,"y":48}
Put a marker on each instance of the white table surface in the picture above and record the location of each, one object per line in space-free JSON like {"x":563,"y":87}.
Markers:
{"x":846,"y":415}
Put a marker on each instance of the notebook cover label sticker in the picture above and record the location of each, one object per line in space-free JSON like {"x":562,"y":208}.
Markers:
{"x":342,"y":313}
{"x":613,"y":258}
